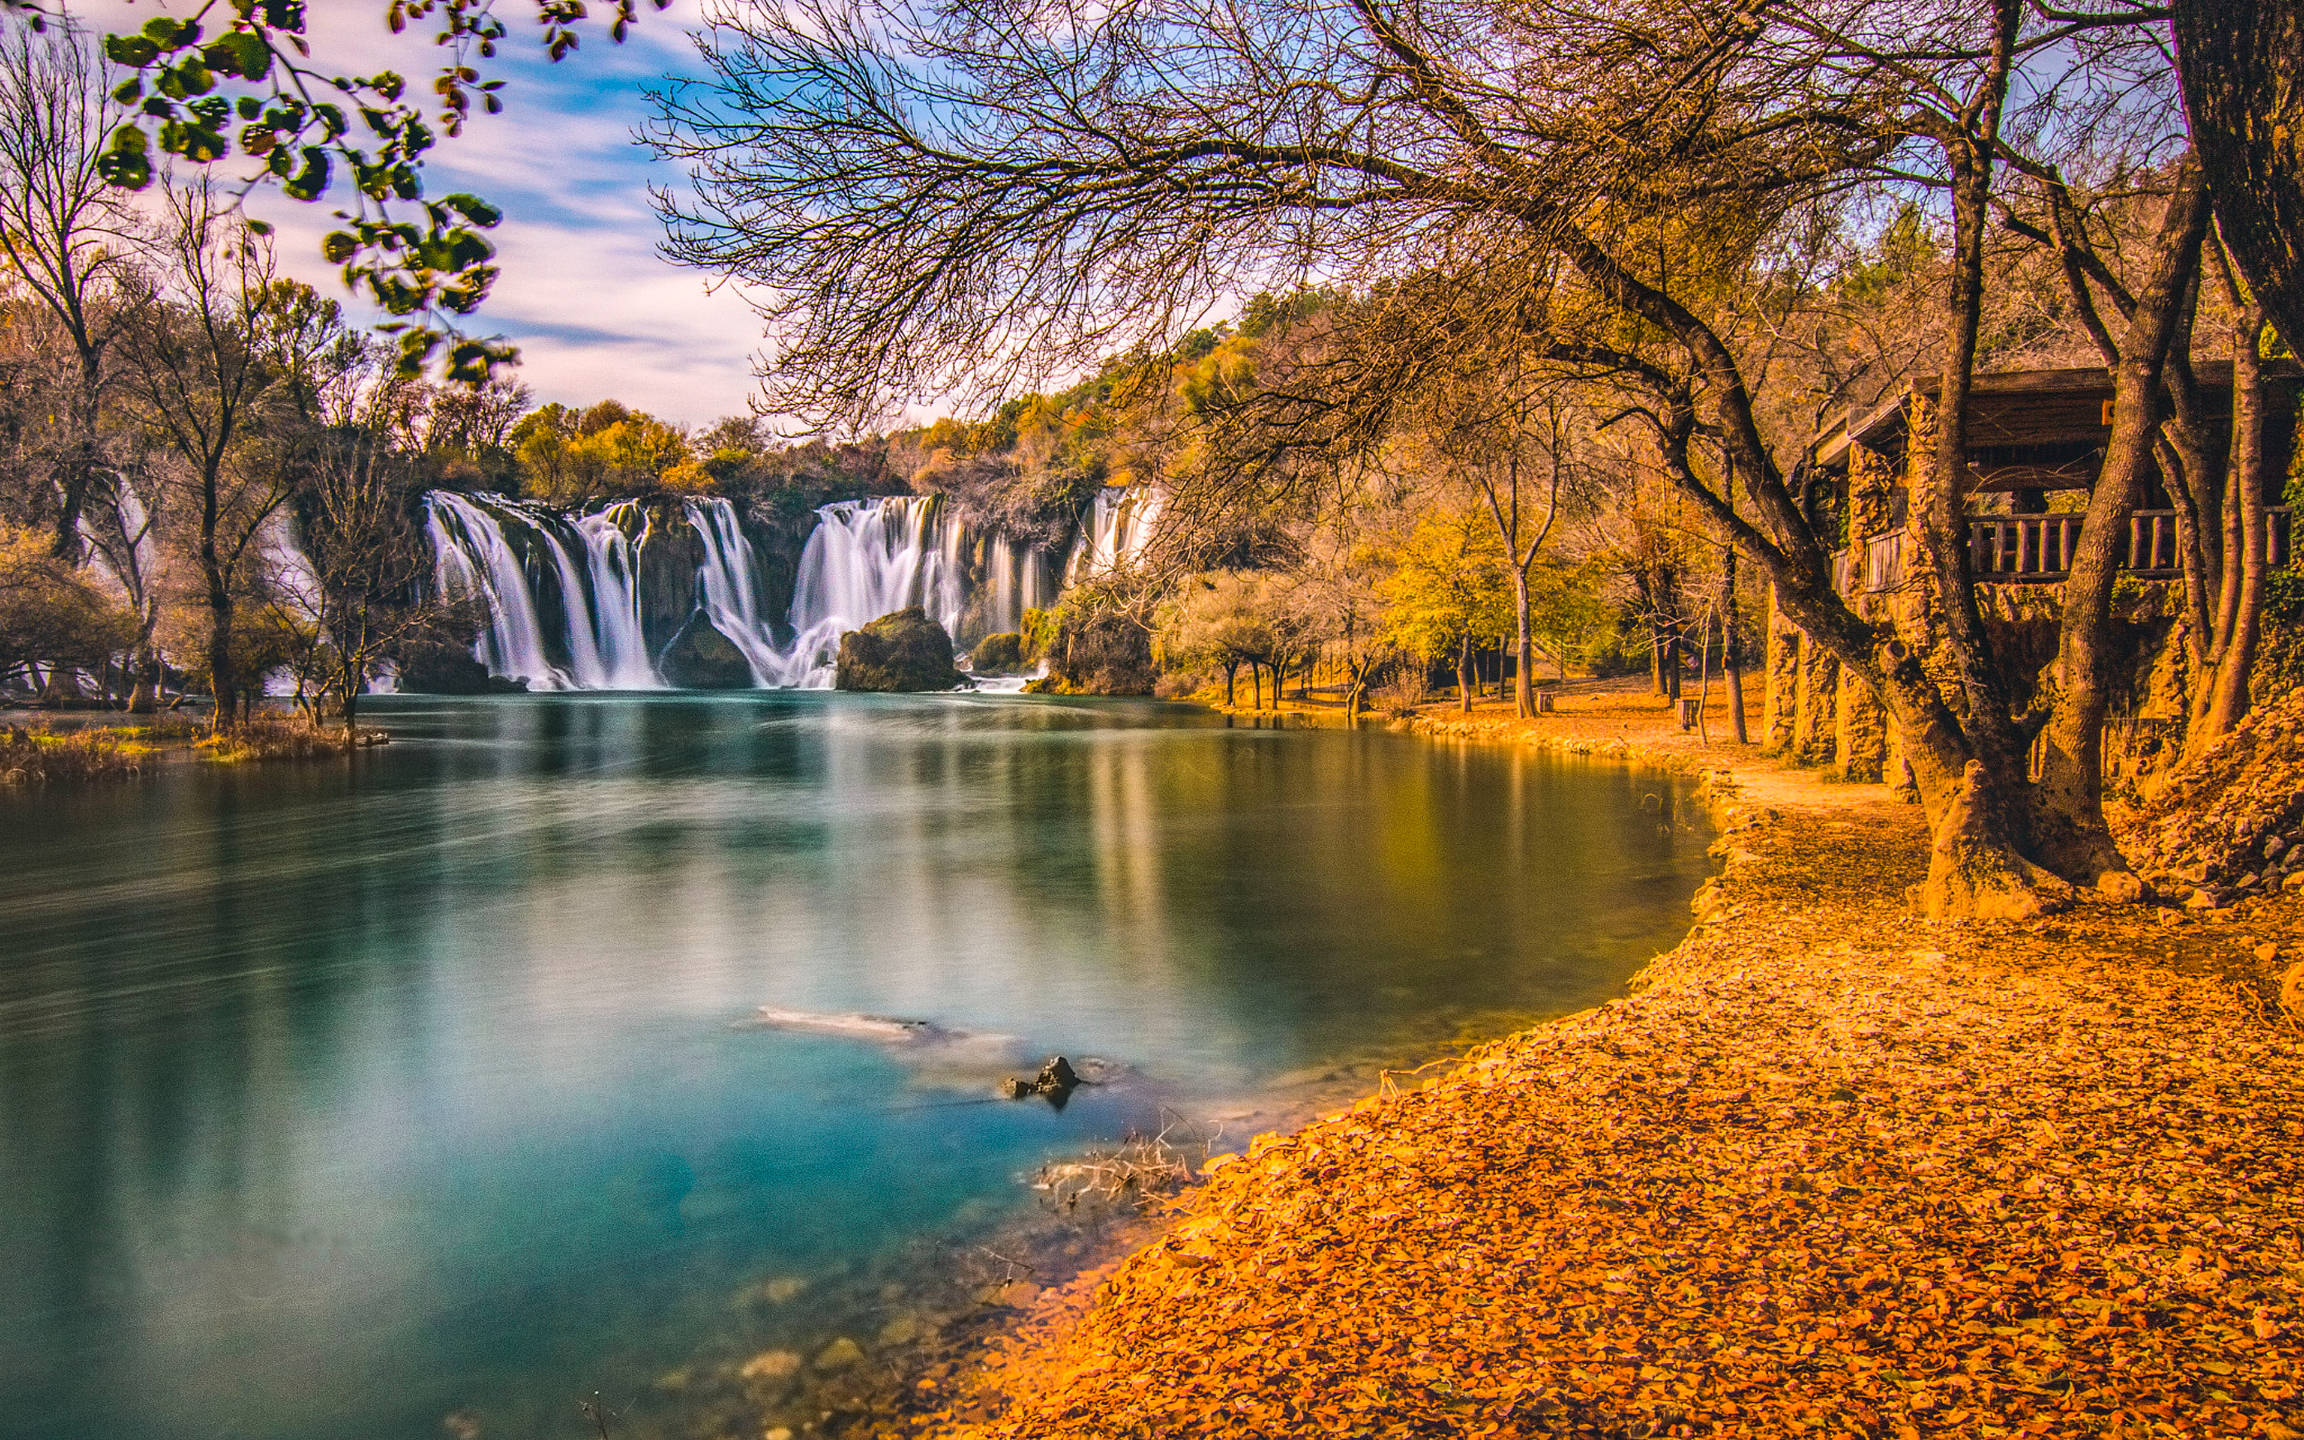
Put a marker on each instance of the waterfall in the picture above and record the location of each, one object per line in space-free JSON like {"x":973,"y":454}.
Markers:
{"x":612,"y":554}
{"x":472,"y":559}
{"x":564,"y":604}
{"x":865,"y":559}
{"x":474,"y":555}
{"x":730,"y":599}
{"x":1020,"y":576}
{"x":1120,"y":524}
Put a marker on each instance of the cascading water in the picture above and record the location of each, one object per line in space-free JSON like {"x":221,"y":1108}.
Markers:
{"x":1019,"y":583}
{"x":1119,"y":526}
{"x":474,"y":556}
{"x":613,"y":539}
{"x":725,"y":582}
{"x":473,"y":560}
{"x":864,"y":559}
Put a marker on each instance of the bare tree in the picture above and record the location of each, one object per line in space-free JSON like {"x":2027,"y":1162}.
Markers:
{"x":64,"y":234}
{"x":201,"y":380}
{"x":369,"y":558}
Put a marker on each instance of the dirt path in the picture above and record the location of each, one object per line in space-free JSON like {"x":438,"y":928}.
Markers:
{"x":1829,"y":1169}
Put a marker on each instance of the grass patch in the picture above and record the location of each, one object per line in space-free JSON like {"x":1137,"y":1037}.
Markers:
{"x":40,"y":756}
{"x":270,"y":737}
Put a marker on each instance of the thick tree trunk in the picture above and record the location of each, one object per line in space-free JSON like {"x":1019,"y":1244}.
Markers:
{"x":1231,"y":674}
{"x":2069,"y":833}
{"x":1943,"y":539}
{"x":223,"y":676}
{"x":2242,"y":64}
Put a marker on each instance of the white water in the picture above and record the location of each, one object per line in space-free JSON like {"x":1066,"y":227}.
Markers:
{"x":730,"y":599}
{"x":599,"y":595}
{"x":1120,"y":525}
{"x":865,"y":559}
{"x":612,"y":552}
{"x":474,"y":560}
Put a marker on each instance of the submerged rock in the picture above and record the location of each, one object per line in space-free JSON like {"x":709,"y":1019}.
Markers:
{"x":701,"y":658}
{"x":841,"y":1354}
{"x":900,"y":653}
{"x":770,"y":1365}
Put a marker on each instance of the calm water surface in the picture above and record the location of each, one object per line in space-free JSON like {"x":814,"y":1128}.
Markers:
{"x":338,"y":1101}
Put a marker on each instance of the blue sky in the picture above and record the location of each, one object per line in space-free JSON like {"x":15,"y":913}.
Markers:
{"x":595,"y":310}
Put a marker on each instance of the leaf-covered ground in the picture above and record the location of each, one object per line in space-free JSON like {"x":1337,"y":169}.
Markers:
{"x":1830,"y":1170}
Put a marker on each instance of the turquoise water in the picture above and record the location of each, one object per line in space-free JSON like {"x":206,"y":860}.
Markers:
{"x":360,"y":1100}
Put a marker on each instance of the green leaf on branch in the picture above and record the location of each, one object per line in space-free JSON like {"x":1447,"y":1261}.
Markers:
{"x":124,"y":160}
{"x":133,"y":51}
{"x":167,"y":33}
{"x":474,"y":209}
{"x":240,"y":53}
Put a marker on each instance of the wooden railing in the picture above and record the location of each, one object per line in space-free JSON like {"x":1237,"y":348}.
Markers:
{"x":1884,"y":562}
{"x":2040,"y":547}
{"x":2020,"y":548}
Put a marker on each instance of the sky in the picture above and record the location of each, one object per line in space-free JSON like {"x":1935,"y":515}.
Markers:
{"x":594,"y":308}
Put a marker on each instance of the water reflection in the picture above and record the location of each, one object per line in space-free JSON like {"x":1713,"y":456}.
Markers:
{"x":336,"y":1100}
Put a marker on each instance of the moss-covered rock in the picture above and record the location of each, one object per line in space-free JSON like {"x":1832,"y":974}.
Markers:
{"x":903,"y":652}
{"x":998,"y":654}
{"x":1098,"y":650}
{"x":701,"y":658}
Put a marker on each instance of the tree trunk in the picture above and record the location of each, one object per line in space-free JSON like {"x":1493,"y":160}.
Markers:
{"x":2069,"y":833}
{"x":1943,"y":539}
{"x":1231,"y":674}
{"x":2227,"y":690}
{"x":1731,"y":644}
{"x":2242,"y":65}
{"x":1523,"y":649}
{"x":145,"y":698}
{"x":1464,"y":677}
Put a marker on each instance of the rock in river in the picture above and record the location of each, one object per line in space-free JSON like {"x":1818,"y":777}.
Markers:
{"x":701,"y":658}
{"x":905,"y":651}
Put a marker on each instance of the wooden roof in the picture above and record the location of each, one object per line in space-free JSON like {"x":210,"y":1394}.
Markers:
{"x":2027,"y":407}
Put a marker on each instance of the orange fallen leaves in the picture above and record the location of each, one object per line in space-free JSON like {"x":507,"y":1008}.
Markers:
{"x":1800,"y":1184}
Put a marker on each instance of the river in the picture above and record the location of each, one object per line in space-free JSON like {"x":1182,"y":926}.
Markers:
{"x":413,"y":1096}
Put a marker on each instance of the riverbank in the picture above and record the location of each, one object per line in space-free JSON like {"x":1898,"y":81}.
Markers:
{"x":1827,"y":1168}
